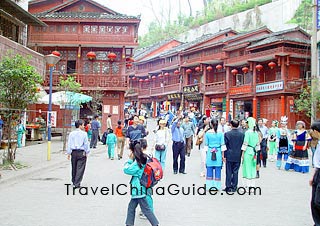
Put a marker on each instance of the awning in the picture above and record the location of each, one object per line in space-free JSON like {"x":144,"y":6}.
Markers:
{"x":15,"y":10}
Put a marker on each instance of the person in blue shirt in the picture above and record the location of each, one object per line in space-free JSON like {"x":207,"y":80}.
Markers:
{"x":111,"y":143}
{"x":78,"y":149}
{"x":178,"y":146}
{"x":95,"y":125}
{"x":135,"y":167}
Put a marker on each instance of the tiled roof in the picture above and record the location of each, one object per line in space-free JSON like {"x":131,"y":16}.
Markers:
{"x":83,"y":15}
{"x":277,"y":39}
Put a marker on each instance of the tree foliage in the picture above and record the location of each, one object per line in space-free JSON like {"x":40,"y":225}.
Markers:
{"x":69,"y":84}
{"x":303,"y":15}
{"x":18,"y":82}
{"x":161,"y":29}
{"x":305,"y":100}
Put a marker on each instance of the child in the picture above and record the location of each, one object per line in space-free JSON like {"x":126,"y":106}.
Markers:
{"x":111,"y":143}
{"x":135,"y":167}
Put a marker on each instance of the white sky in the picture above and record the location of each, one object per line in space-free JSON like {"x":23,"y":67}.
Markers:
{"x":143,"y":7}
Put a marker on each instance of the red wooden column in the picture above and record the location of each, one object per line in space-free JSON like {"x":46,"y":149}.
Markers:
{"x":227,"y":88}
{"x":254,"y":84}
{"x":154,"y":106}
{"x":283,"y":106}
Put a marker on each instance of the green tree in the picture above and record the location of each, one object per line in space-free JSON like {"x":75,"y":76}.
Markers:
{"x":305,"y":100}
{"x":303,"y":15}
{"x":18,"y":88}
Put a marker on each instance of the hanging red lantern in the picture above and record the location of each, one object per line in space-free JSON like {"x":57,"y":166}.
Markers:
{"x":91,"y":55}
{"x":160,"y":75}
{"x":146,"y":80}
{"x":134,"y":78}
{"x":130,"y":59}
{"x":128,"y":65}
{"x":219,"y":67}
{"x":166,"y":74}
{"x":56,"y":53}
{"x":209,"y":68}
{"x":197,"y":69}
{"x":259,"y":67}
{"x":112,"y":56}
{"x":234,"y":71}
{"x":188,"y":71}
{"x":176,"y":72}
{"x":271,"y":64}
{"x":140,"y":80}
{"x":153,"y":77}
{"x":245,"y":70}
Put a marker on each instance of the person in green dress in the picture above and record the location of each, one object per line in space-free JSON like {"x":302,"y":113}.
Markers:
{"x":250,"y":146}
{"x":20,"y":130}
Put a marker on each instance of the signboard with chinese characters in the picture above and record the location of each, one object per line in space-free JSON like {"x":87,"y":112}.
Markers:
{"x":174,"y":96}
{"x":53,"y":120}
{"x":269,"y":87}
{"x":191,"y":89}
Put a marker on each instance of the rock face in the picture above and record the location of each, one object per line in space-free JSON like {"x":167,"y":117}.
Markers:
{"x":274,"y":15}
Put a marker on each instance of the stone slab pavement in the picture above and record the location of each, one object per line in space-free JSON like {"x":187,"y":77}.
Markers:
{"x":42,"y":198}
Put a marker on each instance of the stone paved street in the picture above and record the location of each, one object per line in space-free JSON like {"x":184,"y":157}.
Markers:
{"x":40,"y":198}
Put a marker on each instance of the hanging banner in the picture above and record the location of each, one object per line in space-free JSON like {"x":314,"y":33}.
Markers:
{"x":53,"y":120}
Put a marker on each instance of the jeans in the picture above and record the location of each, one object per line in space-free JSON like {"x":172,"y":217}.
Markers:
{"x":178,"y":149}
{"x":146,"y":210}
{"x":94,"y":139}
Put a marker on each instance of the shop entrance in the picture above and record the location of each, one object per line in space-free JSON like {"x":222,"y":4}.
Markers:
{"x":243,"y":109}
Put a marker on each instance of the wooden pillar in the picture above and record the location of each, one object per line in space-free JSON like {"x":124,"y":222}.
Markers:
{"x":283,"y":106}
{"x":227,"y":88}
{"x":254,"y":84}
{"x":154,"y":106}
{"x":254,"y":107}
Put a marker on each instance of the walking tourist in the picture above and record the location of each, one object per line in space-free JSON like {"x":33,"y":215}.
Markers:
{"x":20,"y":130}
{"x":135,"y":167}
{"x":202,"y":129}
{"x":78,"y":149}
{"x":215,"y":142}
{"x":263,"y":144}
{"x":162,"y":140}
{"x":232,"y":156}
{"x":95,"y":125}
{"x":178,"y":146}
{"x":111,"y":143}
{"x":120,"y":132}
{"x":273,"y":140}
{"x":189,"y":131}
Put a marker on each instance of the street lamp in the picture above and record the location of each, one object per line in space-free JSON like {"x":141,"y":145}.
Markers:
{"x":51,"y":61}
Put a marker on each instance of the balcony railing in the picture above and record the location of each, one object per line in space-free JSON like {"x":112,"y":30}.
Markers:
{"x":93,"y":81}
{"x":215,"y":87}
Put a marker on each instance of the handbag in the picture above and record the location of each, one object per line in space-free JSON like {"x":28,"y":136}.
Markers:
{"x":213,"y":154}
{"x":199,"y":140}
{"x":160,"y":147}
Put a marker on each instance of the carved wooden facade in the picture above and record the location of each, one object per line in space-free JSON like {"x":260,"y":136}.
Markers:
{"x":80,"y":26}
{"x":233,"y":73}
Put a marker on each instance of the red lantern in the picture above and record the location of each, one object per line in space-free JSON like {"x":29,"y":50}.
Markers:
{"x":209,"y":68}
{"x":259,"y":67}
{"x":146,"y":80}
{"x":219,"y":67}
{"x":140,"y":80}
{"x":112,"y":56}
{"x":188,"y":71}
{"x":245,"y":70}
{"x":134,"y":78}
{"x":234,"y":71}
{"x":160,"y":75}
{"x":91,"y":55}
{"x":197,"y":69}
{"x":166,"y":74}
{"x":130,"y":59}
{"x":154,"y":77}
{"x":128,"y":65}
{"x":271,"y":65}
{"x":176,"y":72}
{"x":56,"y":53}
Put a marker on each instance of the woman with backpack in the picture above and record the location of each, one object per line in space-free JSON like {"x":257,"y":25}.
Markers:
{"x":162,"y":140}
{"x":135,"y":167}
{"x":120,"y":132}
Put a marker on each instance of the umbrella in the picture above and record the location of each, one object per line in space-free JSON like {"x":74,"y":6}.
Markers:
{"x":66,"y":97}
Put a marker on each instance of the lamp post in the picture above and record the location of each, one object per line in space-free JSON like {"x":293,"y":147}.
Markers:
{"x":51,"y":61}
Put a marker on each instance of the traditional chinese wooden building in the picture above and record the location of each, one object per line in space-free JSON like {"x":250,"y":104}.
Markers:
{"x":257,"y":73}
{"x":95,"y":44}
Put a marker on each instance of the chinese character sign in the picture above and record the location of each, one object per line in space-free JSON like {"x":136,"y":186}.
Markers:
{"x":53,"y":120}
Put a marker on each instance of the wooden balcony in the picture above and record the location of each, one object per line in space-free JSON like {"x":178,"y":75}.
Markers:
{"x":45,"y":38}
{"x":93,"y":81}
{"x":202,"y":57}
{"x":295,"y":85}
{"x":215,"y":88}
{"x":158,"y":67}
{"x":270,"y":53}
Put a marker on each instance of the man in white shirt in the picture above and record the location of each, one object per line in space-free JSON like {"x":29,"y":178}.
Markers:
{"x":223,"y":127}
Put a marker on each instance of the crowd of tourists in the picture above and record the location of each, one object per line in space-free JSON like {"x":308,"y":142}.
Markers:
{"x":248,"y":143}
